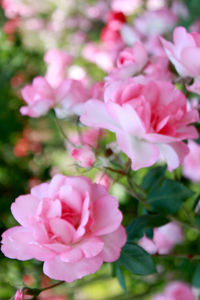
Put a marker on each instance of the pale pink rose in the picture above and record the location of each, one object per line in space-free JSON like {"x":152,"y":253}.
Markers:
{"x":58,"y":61}
{"x":184,"y":53}
{"x":90,"y":136}
{"x":176,"y":290}
{"x":39,"y":98}
{"x":164,"y":239}
{"x":128,"y":7}
{"x":97,"y":90}
{"x":85,"y":156}
{"x":69,"y":223}
{"x":148,"y":245}
{"x":14,"y":8}
{"x":66,"y":99}
{"x":158,"y":69}
{"x":191,"y":163}
{"x":98,"y":55}
{"x":155,"y":22}
{"x":98,"y":10}
{"x":167,"y":236}
{"x":150,"y":120}
{"x":104,"y":179}
{"x":180,"y":9}
{"x":130,"y":61}
{"x":78,"y":73}
{"x":154,"y":46}
{"x":129,"y":34}
{"x":34,"y":24}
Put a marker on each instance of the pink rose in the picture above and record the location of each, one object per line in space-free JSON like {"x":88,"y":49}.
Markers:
{"x":130,"y":61}
{"x":128,"y":7}
{"x":164,"y":239}
{"x":90,"y":137}
{"x":98,"y":55}
{"x":70,"y":224}
{"x":191,"y":163}
{"x":184,"y":53}
{"x":18,"y":295}
{"x":66,"y":99}
{"x":176,"y":290}
{"x":150,"y":120}
{"x":15,"y":8}
{"x":167,"y":236}
{"x":179,"y":290}
{"x":85,"y":156}
{"x":155,"y":22}
{"x":57,"y":61}
{"x":103,"y":179}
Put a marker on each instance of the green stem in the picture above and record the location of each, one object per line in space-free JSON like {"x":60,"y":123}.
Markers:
{"x":52,"y":286}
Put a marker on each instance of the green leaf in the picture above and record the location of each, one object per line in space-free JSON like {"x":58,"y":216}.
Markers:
{"x":120,"y":277}
{"x":137,"y":227}
{"x":196,"y":277}
{"x":136,"y":260}
{"x":153,"y":178}
{"x":197,"y":219}
{"x":197,"y":199}
{"x":169,"y":197}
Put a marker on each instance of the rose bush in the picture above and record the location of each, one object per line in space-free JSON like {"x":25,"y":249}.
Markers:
{"x":150,"y":120}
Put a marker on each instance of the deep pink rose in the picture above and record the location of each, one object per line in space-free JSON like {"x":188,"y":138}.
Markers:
{"x":150,"y":120}
{"x":184,"y":53}
{"x":18,"y":295}
{"x":70,"y":224}
{"x":66,"y":99}
{"x":191,"y":163}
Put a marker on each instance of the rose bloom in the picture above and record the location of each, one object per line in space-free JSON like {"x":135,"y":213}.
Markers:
{"x":150,"y":120}
{"x":155,"y":22}
{"x":58,"y":61}
{"x":84,"y":155}
{"x":66,"y":99}
{"x":176,"y":291}
{"x":130,"y":61}
{"x":70,"y":224}
{"x":184,"y":53}
{"x":164,"y":239}
{"x":191,"y":163}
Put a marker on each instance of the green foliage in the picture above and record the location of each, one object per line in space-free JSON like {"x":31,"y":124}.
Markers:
{"x":136,"y":260}
{"x":168,"y":197}
{"x":196,"y":277}
{"x":137,"y":227}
